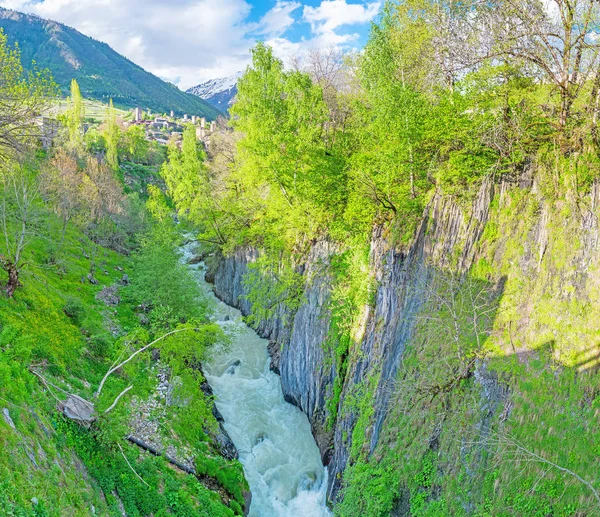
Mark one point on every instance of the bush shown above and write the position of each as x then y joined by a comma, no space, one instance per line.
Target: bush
99,345
74,309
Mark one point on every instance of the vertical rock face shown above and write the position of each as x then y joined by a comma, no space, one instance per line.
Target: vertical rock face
541,247
229,286
306,378
297,340
306,373
401,278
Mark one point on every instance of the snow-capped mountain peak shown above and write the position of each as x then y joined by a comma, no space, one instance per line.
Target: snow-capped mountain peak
218,92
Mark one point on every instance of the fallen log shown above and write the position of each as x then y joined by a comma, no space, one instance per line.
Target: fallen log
188,470
155,452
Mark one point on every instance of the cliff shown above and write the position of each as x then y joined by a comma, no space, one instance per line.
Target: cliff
409,397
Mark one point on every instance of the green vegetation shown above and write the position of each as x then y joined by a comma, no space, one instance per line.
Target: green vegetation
494,408
90,277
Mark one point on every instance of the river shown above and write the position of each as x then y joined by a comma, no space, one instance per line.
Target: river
280,457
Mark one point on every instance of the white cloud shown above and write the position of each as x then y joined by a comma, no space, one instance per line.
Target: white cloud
285,49
325,21
332,14
190,41
276,21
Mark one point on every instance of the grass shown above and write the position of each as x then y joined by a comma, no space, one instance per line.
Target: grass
93,109
56,323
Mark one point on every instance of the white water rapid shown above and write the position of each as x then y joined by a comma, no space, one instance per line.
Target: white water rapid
279,454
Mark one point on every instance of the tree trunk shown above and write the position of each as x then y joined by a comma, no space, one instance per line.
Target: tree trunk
594,106
13,279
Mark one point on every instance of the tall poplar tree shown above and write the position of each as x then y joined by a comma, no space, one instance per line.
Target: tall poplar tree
112,137
75,116
185,174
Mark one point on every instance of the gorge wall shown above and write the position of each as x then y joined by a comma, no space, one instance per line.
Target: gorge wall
540,259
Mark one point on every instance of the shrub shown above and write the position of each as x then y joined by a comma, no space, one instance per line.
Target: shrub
99,345
74,309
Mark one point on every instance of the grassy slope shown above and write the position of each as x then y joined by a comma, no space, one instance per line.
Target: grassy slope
69,469
93,109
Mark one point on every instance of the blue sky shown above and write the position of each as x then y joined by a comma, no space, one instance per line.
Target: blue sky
190,41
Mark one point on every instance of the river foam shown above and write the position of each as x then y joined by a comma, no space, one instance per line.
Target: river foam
277,450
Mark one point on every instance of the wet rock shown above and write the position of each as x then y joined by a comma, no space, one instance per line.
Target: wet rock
226,447
307,481
205,387
275,354
233,367
261,437
247,502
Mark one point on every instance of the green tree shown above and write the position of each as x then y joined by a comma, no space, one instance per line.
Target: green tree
157,204
25,97
112,135
162,284
185,174
137,145
74,117
21,218
388,171
286,170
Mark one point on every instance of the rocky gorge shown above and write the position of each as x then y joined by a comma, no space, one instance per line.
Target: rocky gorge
527,265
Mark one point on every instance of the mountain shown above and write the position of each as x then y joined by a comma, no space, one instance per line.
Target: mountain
101,72
219,93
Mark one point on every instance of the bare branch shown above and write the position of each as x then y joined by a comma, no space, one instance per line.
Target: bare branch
139,351
113,405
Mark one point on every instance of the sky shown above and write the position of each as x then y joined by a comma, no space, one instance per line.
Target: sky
190,41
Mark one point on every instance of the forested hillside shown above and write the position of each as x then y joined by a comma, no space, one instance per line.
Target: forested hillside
101,72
